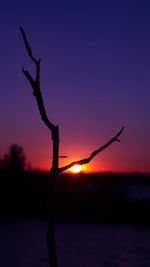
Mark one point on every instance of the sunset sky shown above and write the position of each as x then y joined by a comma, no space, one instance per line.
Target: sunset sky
95,78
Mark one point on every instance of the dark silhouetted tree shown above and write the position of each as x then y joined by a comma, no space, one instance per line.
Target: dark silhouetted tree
55,170
15,159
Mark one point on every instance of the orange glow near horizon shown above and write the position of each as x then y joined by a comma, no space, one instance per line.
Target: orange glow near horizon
76,168
104,163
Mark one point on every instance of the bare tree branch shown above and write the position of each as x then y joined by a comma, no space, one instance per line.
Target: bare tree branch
55,138
55,170
27,45
87,160
36,84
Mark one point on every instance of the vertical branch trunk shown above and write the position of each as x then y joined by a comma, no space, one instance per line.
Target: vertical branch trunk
52,200
51,227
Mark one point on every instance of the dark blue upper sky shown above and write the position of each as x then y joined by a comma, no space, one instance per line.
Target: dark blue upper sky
95,77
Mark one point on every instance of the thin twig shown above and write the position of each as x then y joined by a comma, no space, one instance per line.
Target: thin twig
87,160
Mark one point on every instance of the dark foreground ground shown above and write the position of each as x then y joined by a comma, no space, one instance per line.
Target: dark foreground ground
82,244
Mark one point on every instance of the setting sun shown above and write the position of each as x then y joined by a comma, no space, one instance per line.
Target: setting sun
76,168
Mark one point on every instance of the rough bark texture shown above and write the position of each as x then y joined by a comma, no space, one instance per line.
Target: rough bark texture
55,170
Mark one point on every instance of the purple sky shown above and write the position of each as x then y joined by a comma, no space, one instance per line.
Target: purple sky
95,78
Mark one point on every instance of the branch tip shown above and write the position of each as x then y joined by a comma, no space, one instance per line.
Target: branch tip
36,83
87,160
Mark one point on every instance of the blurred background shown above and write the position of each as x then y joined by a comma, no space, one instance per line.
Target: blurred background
95,64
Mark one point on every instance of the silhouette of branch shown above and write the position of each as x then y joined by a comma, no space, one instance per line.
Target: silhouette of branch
36,84
87,160
27,45
55,138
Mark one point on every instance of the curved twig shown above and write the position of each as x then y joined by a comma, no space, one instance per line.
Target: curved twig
87,160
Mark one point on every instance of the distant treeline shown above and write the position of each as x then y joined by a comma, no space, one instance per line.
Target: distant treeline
98,197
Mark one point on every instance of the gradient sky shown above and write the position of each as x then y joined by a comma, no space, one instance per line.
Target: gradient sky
95,78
